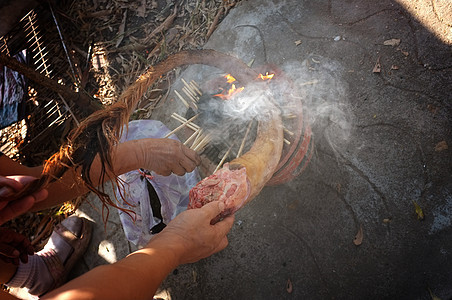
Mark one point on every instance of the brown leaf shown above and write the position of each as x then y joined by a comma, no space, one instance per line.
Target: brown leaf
377,67
419,212
289,286
121,29
359,236
142,9
392,42
394,67
298,42
441,146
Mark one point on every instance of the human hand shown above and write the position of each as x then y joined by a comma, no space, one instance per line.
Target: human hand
14,247
192,235
166,156
11,207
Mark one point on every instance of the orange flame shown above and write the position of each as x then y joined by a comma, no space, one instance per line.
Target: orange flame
231,92
229,78
266,76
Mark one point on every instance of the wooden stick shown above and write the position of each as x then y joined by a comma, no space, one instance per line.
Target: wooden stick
224,158
192,136
288,131
181,126
244,138
189,94
203,143
182,99
189,88
309,82
199,136
181,119
195,87
289,116
287,142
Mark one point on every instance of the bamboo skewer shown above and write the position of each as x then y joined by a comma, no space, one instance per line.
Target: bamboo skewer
182,125
182,99
195,87
224,158
190,95
202,143
286,141
244,138
190,89
192,136
288,131
197,139
181,119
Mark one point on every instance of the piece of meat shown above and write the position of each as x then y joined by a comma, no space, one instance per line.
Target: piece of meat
228,186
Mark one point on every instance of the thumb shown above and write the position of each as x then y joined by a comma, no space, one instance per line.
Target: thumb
213,208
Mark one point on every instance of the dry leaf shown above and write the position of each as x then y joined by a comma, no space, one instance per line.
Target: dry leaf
419,212
298,42
377,67
121,29
359,236
289,286
392,42
441,146
387,220
394,67
142,9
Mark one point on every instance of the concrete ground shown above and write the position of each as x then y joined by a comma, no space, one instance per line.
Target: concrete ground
381,146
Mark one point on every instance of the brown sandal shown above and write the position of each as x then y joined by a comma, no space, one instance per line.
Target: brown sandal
79,244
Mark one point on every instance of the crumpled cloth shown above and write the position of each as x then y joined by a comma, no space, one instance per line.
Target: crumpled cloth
172,190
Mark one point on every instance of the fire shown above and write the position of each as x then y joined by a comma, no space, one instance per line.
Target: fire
230,78
232,91
266,76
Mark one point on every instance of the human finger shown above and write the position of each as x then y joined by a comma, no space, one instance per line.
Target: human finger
178,169
16,208
40,195
11,183
192,155
9,251
225,225
213,209
187,164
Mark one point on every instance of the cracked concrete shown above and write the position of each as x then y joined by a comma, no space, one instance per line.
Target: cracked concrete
375,137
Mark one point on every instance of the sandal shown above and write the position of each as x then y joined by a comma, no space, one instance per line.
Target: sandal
79,243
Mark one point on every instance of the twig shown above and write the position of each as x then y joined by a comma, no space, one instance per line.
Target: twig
165,25
182,125
244,138
215,22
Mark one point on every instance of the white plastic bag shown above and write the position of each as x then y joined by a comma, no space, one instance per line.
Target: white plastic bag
172,190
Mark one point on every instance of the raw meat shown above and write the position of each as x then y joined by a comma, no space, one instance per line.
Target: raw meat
229,186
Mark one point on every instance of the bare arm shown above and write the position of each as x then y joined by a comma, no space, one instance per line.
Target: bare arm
188,238
163,156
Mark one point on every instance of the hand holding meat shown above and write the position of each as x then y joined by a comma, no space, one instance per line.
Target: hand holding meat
166,156
14,247
192,236
11,207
